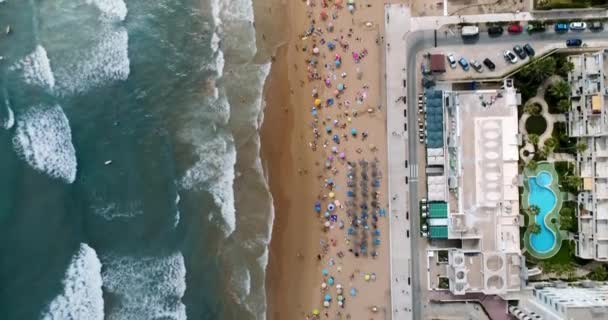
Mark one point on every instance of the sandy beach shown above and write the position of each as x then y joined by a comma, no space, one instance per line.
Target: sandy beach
330,234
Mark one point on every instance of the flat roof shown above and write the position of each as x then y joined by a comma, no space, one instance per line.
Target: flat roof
438,210
437,63
438,232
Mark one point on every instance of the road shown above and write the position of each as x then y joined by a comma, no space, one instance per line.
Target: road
407,252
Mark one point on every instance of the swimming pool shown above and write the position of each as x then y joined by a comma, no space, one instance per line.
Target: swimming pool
543,197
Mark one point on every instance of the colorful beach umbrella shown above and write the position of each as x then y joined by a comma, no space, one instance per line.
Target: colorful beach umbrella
317,102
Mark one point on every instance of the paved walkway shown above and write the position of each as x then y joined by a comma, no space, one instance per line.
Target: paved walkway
400,245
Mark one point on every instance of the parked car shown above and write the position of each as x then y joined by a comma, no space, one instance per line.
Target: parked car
574,42
477,66
597,25
561,27
495,30
519,51
451,60
529,50
578,25
421,138
510,56
488,63
464,64
515,28
536,27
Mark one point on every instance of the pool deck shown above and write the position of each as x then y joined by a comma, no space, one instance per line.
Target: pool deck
554,227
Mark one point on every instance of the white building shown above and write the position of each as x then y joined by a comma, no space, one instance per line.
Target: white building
559,301
588,121
480,182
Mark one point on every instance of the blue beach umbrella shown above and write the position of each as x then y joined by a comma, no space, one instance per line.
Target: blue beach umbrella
353,131
331,207
340,86
327,297
325,272
353,292
328,129
338,63
330,281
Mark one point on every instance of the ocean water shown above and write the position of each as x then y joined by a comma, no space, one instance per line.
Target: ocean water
130,180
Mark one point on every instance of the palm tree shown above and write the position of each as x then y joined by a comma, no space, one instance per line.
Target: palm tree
551,143
560,90
533,138
534,228
581,147
563,105
565,68
533,109
534,210
532,165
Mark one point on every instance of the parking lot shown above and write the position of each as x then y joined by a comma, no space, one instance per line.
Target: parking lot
492,47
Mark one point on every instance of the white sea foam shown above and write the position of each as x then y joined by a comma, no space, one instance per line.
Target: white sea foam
9,119
44,140
107,61
237,10
36,68
113,211
82,297
111,9
214,171
145,287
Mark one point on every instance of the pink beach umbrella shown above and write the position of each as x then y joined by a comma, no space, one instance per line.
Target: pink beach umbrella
342,155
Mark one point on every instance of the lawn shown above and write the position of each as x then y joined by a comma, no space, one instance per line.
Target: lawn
536,125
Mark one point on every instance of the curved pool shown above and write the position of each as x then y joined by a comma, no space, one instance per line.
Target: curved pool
543,197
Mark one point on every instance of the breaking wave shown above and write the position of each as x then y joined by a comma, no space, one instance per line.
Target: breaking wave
145,287
36,68
106,61
43,139
9,119
111,9
82,297
214,171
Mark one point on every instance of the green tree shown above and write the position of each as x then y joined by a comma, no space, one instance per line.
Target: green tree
563,105
533,109
581,147
567,219
559,90
538,70
572,183
565,68
534,210
551,142
532,165
533,138
534,228
599,273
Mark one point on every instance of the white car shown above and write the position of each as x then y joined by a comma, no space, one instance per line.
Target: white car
579,25
452,60
510,56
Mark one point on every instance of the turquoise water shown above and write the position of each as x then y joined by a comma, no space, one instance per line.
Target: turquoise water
543,197
130,182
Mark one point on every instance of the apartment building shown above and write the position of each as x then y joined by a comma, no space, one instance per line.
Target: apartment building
588,121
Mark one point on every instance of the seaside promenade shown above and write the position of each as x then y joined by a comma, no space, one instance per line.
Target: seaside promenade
402,301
